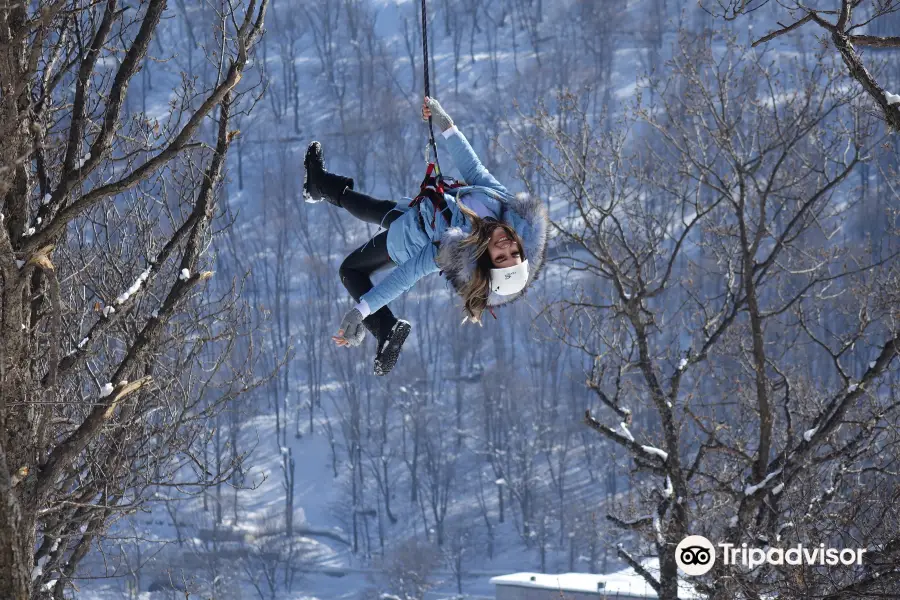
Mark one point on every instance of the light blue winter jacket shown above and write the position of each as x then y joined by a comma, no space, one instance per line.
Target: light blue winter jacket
419,248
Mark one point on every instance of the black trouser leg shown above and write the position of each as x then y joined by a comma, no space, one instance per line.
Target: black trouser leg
357,268
356,271
369,209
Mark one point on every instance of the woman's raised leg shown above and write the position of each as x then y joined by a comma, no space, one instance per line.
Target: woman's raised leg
369,209
319,184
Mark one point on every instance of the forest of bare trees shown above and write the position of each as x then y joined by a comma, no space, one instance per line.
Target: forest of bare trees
721,297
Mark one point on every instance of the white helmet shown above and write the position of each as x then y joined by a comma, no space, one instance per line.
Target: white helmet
510,280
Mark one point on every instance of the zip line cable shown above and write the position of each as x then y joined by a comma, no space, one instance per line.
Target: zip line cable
432,143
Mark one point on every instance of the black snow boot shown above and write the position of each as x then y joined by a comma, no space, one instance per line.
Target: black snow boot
319,184
389,347
389,334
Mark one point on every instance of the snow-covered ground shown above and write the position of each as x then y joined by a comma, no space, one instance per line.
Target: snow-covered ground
326,569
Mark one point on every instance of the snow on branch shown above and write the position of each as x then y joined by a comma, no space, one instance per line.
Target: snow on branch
669,490
751,489
625,439
809,433
124,296
624,429
656,452
638,567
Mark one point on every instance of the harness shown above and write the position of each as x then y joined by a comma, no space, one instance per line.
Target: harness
433,187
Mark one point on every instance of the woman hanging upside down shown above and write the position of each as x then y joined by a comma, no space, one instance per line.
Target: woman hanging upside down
488,243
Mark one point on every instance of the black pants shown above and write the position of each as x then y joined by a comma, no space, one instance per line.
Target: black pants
357,268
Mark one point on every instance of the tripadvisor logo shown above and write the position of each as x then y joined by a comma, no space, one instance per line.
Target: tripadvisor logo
696,555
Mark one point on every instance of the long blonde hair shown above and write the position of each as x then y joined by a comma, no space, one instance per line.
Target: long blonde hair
476,291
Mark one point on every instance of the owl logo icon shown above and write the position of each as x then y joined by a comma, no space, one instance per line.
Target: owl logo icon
695,555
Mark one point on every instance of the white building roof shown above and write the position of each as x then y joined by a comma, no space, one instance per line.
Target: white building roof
625,582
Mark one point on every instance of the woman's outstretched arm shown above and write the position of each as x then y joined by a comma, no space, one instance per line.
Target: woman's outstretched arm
467,163
401,279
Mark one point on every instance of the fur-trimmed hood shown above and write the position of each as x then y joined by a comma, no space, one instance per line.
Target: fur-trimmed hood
525,214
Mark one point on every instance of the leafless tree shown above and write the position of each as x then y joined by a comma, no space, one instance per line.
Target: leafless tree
406,572
107,216
844,22
271,557
745,349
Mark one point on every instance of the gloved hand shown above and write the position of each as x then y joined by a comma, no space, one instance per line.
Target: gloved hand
432,108
352,332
